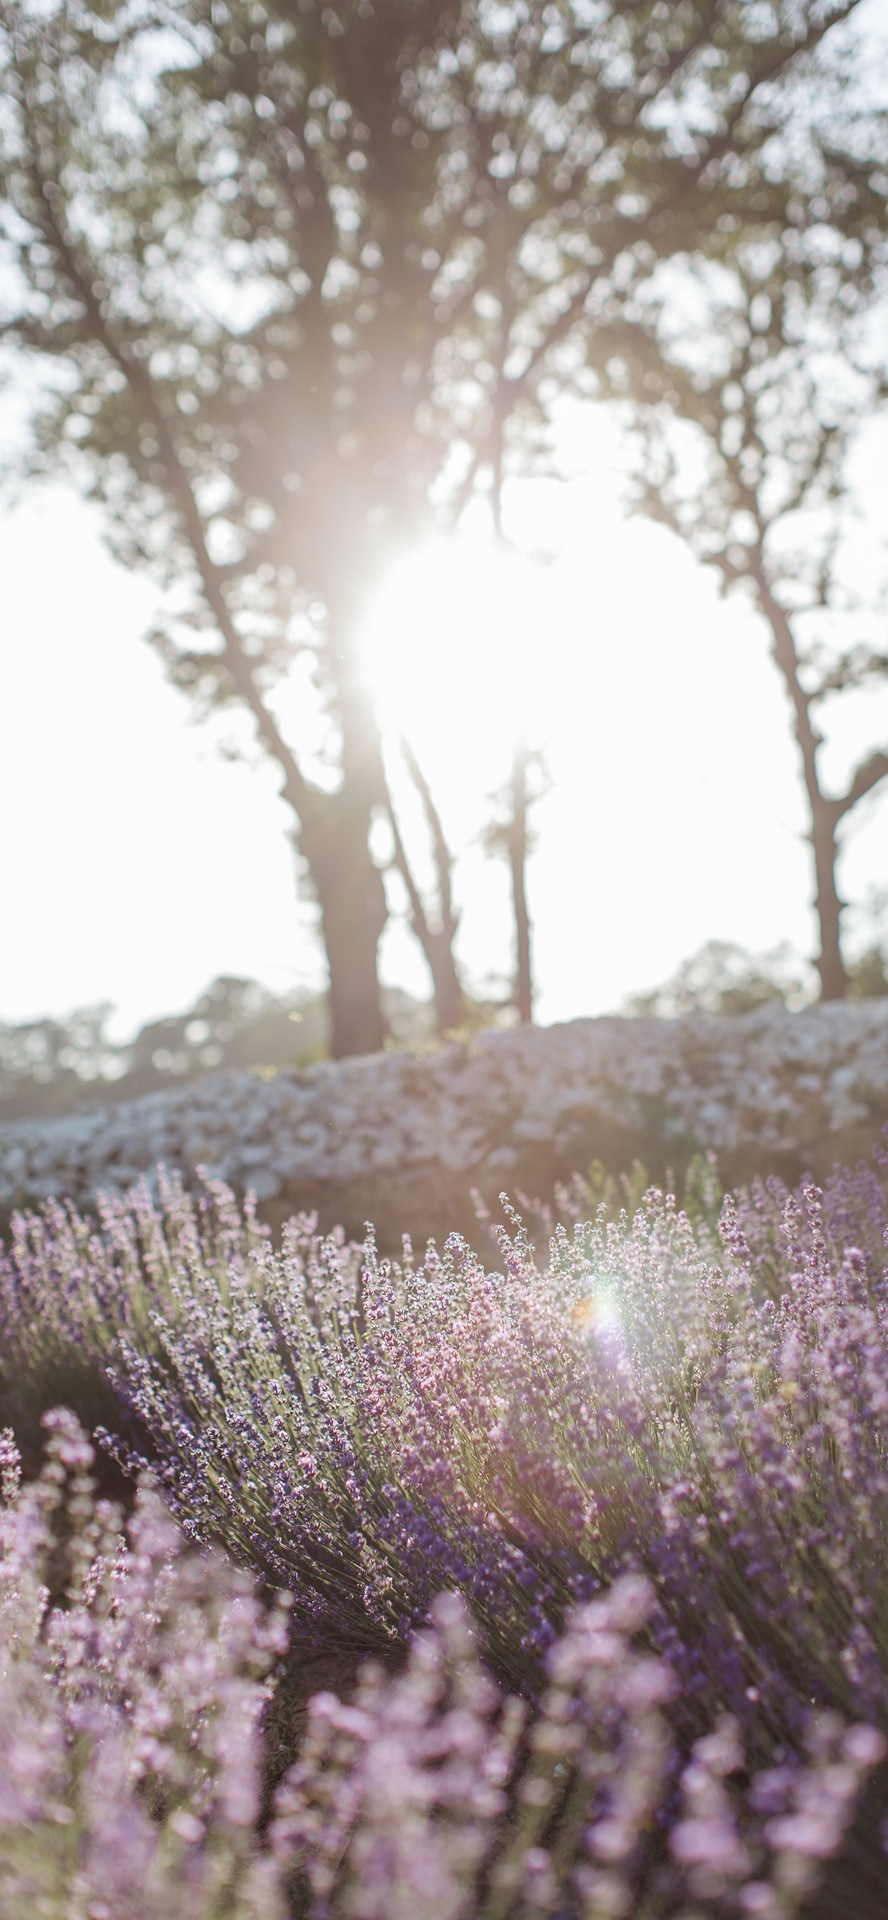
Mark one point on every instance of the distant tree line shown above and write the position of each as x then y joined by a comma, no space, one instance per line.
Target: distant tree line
52,1065
49,1065
724,978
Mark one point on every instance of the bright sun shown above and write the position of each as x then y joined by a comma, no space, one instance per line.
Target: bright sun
457,650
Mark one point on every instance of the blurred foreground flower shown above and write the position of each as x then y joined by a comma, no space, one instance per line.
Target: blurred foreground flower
131,1706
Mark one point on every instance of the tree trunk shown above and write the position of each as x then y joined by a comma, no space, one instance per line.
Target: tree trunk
830,965
351,895
824,813
436,941
446,983
518,865
335,840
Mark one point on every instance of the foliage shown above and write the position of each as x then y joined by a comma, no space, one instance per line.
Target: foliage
71,1287
53,1065
431,1795
868,975
704,1406
131,1708
299,282
132,1781
723,978
754,407
51,1061
598,1193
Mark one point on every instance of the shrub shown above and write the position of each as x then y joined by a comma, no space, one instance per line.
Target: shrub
705,1414
370,1435
130,1709
131,1712
71,1285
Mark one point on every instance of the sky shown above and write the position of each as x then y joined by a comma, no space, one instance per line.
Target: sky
136,864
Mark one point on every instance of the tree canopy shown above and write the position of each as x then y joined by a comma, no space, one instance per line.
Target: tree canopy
774,376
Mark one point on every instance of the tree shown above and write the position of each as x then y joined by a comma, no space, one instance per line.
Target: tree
776,377
46,1064
303,277
236,1025
435,930
510,835
723,978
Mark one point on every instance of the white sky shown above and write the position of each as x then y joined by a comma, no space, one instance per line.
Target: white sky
135,865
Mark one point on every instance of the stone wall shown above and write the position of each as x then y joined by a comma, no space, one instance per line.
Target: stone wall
402,1138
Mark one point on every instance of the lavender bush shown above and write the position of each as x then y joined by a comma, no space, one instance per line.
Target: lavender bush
131,1712
433,1796
71,1285
369,1434
130,1709
702,1411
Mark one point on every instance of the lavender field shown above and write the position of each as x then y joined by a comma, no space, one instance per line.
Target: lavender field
590,1534
472,419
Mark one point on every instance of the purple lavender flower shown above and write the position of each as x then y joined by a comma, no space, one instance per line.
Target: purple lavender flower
707,1417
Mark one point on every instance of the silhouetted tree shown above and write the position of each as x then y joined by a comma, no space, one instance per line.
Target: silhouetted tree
303,277
773,379
435,928
510,835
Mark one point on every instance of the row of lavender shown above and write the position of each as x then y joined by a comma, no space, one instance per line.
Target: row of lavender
649,1469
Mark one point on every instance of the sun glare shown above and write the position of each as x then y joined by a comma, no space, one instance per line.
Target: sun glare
599,1312
455,650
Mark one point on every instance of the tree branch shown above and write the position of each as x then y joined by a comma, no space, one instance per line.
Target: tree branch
868,775
442,854
305,799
